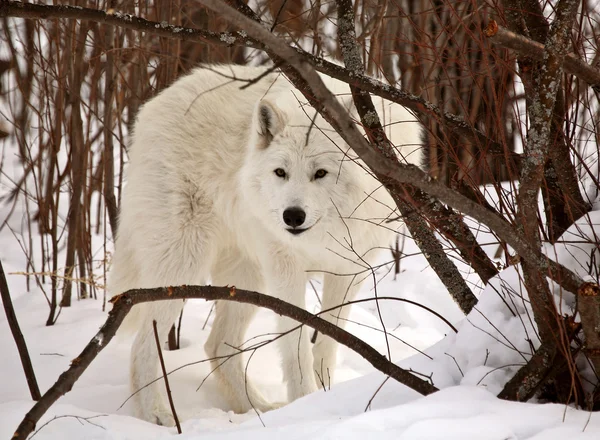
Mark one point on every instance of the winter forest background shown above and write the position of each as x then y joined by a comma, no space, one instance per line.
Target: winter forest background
501,236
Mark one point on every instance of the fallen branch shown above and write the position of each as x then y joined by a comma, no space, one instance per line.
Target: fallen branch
123,303
11,318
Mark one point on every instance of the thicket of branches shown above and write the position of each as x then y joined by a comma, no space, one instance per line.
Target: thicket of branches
508,92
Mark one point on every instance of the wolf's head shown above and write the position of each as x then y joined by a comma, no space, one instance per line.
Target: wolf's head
298,177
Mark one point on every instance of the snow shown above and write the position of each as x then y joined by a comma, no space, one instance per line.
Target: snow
470,367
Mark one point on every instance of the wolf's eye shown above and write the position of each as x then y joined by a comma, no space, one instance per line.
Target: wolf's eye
320,174
279,172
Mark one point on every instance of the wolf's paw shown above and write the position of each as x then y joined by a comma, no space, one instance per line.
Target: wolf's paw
258,404
158,414
324,356
272,406
163,417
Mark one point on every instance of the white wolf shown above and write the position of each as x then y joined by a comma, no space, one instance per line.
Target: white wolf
246,187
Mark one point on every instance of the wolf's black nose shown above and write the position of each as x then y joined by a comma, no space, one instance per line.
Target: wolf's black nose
294,217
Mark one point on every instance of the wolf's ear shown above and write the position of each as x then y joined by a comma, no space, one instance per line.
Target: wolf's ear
269,120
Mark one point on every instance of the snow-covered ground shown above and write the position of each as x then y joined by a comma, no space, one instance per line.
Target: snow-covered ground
469,367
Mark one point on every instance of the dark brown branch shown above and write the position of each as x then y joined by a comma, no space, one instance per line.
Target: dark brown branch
452,226
109,154
523,385
306,80
526,47
425,238
165,377
122,305
13,323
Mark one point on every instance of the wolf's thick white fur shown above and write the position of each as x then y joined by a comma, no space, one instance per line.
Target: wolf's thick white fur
203,203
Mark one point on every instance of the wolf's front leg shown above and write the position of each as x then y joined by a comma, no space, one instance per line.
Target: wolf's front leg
337,290
149,403
286,279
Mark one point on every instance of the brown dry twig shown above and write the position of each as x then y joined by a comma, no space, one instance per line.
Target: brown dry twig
165,377
123,303
588,306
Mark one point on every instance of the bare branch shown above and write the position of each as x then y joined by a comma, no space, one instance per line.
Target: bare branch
524,46
115,18
555,346
109,166
11,318
523,385
536,155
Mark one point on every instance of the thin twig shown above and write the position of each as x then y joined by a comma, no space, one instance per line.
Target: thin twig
375,393
165,377
69,416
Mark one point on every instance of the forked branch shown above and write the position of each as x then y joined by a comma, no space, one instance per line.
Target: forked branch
524,46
